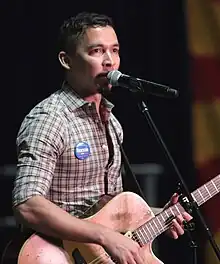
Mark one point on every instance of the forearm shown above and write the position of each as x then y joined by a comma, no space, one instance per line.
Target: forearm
43,216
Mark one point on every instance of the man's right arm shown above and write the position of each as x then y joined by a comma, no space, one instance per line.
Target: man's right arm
43,216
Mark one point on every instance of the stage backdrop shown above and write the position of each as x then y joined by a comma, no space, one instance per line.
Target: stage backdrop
204,47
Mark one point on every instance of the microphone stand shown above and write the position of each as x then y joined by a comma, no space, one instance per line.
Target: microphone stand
188,228
191,204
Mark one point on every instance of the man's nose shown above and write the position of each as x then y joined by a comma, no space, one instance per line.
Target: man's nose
108,60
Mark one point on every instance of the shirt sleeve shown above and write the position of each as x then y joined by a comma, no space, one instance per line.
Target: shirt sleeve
40,141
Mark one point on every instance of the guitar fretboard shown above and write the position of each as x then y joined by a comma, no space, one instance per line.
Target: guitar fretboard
160,223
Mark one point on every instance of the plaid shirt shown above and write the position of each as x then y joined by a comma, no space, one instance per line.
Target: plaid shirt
51,165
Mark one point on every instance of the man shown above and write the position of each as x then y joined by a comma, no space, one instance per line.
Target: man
68,155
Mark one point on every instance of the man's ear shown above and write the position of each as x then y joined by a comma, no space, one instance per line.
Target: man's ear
65,60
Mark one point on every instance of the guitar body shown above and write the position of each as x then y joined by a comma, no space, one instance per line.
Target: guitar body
124,213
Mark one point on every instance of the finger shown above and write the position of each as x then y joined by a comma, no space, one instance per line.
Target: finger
174,198
126,259
180,219
178,227
139,259
187,216
130,259
173,232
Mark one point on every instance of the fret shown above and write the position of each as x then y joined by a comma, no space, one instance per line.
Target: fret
214,185
201,195
197,196
157,218
162,222
154,233
154,222
177,208
142,237
208,191
172,211
147,235
166,213
151,236
162,217
206,195
193,196
144,227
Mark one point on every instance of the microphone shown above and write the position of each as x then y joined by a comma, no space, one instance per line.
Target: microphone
116,78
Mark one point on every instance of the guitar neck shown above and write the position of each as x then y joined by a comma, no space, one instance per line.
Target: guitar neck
160,223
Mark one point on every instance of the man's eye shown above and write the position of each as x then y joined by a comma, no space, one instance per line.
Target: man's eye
116,50
95,51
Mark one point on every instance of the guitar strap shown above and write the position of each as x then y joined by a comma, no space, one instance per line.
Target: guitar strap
129,180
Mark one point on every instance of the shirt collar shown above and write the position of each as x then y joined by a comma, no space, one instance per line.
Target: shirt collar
74,101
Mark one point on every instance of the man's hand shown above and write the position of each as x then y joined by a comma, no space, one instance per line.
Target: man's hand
177,226
123,249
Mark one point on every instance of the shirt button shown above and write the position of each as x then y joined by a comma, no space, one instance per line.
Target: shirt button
96,120
104,147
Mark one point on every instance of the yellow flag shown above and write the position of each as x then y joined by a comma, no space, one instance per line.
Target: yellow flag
203,22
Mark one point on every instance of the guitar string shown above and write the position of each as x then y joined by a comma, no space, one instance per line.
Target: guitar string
101,258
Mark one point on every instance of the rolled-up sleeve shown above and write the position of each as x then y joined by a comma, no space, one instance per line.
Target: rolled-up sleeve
40,141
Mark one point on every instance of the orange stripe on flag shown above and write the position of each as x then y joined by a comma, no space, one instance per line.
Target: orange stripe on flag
205,78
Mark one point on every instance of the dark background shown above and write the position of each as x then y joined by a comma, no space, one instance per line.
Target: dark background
153,38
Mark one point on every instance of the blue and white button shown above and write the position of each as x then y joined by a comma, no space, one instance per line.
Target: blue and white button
82,150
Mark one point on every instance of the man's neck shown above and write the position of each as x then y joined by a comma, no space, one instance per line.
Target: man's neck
96,98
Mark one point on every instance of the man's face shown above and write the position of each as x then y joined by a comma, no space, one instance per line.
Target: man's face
96,54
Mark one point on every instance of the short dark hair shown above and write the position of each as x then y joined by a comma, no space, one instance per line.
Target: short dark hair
73,29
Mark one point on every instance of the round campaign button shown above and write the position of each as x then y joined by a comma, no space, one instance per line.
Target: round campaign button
82,150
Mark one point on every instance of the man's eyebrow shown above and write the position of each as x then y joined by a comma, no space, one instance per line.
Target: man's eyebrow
96,45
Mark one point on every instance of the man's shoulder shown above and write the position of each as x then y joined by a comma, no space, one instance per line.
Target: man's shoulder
47,112
51,103
47,115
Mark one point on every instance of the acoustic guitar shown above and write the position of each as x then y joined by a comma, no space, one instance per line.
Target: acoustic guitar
126,213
